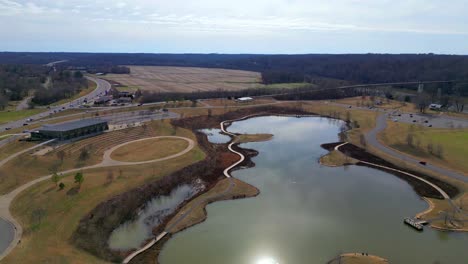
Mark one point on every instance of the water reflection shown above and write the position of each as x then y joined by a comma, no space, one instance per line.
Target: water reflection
6,234
307,213
133,233
266,260
215,135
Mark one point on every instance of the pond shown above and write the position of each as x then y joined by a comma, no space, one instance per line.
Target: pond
215,135
6,234
133,233
309,213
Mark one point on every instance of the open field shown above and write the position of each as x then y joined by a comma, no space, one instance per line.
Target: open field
185,79
449,145
226,102
50,216
34,166
10,116
149,149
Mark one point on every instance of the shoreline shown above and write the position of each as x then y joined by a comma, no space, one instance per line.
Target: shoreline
404,175
233,146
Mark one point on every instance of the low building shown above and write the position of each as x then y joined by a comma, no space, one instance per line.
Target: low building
70,130
244,99
103,99
435,106
124,100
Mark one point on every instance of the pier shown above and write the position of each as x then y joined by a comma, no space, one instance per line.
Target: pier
415,223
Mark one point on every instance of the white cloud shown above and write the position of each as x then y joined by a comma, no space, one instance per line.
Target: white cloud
243,18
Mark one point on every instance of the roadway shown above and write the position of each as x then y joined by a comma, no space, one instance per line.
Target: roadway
7,199
101,87
371,139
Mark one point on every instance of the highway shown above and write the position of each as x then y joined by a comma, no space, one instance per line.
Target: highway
101,87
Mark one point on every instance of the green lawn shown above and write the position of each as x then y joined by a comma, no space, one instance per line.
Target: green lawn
452,141
6,116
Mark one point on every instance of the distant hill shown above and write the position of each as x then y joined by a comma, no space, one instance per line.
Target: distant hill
356,68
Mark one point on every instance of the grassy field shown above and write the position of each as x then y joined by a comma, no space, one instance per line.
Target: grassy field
226,102
49,215
149,149
10,116
34,166
185,79
452,144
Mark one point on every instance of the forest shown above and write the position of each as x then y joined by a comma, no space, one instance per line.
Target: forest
44,83
357,68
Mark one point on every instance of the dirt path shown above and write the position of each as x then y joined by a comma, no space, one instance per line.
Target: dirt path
24,104
6,200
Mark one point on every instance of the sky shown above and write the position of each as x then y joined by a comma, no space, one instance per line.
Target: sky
236,26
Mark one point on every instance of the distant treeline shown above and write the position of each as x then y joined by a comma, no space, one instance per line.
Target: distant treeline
354,68
47,85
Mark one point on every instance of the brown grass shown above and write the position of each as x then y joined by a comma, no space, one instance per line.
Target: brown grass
149,149
226,102
27,167
185,79
245,138
336,159
50,216
358,258
198,213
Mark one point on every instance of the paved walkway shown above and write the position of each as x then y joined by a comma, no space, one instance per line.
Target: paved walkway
6,200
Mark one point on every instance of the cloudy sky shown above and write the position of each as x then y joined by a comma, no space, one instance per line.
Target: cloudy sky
239,26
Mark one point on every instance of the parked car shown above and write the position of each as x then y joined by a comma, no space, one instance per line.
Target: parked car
423,163
7,128
25,124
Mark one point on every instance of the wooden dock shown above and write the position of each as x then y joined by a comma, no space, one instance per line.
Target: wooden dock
414,223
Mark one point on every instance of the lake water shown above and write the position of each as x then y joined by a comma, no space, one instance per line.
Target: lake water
215,135
308,213
6,234
133,233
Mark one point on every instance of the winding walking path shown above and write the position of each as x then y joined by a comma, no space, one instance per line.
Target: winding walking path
6,200
437,188
168,229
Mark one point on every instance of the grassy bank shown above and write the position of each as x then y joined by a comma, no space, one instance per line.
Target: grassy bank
448,146
49,216
150,149
10,116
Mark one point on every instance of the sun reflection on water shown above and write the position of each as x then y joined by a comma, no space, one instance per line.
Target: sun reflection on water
266,260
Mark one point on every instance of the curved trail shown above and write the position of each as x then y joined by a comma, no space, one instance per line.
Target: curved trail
437,188
6,200
168,229
228,189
